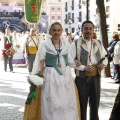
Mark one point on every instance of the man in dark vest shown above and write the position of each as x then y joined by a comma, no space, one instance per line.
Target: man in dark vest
7,43
86,53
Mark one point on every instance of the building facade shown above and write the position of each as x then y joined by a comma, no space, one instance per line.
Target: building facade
75,14
71,13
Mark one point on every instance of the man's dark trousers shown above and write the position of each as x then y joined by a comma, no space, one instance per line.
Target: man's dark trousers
8,59
89,91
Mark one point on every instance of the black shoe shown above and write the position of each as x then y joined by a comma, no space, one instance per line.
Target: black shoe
12,71
112,77
117,81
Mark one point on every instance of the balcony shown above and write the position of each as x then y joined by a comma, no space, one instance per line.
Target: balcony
65,21
20,2
5,2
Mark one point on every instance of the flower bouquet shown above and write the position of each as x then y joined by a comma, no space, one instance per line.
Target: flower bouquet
35,81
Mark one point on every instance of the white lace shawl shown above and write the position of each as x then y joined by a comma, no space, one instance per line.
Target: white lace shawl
47,46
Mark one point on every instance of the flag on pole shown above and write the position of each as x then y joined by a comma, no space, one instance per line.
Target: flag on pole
32,10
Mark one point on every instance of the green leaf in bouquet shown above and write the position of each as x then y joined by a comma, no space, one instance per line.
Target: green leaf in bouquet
40,74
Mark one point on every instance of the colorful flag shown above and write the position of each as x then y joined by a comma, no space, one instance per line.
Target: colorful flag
32,10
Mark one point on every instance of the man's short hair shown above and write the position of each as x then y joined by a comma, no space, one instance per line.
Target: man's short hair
87,21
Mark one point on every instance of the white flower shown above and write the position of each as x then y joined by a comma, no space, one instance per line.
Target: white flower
36,80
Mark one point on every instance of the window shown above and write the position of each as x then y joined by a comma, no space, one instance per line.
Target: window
107,15
79,5
73,30
79,18
107,27
107,8
66,16
65,6
52,9
58,9
73,17
118,27
72,5
53,17
59,17
66,30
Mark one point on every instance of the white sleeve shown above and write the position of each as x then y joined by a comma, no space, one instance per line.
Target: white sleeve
24,42
103,53
117,49
71,58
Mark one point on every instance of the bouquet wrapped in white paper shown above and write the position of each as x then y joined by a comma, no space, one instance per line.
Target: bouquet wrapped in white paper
35,81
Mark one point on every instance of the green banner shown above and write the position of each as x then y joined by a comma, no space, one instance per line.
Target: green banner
32,10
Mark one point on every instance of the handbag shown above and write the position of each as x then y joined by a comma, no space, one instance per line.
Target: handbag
31,49
10,52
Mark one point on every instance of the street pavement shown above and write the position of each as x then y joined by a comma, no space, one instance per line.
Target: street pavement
14,90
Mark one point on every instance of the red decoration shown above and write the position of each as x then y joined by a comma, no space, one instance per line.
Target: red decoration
8,46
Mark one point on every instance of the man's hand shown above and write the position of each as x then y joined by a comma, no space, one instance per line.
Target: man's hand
100,66
78,63
89,69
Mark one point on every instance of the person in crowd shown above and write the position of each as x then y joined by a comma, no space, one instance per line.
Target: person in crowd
89,52
115,113
30,47
111,52
18,57
7,43
94,36
58,97
69,37
116,62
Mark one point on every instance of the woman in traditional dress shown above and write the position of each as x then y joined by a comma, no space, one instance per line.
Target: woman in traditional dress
59,94
18,57
115,114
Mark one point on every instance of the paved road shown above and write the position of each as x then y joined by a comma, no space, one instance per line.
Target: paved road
14,89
